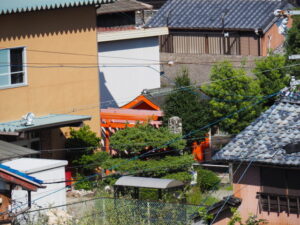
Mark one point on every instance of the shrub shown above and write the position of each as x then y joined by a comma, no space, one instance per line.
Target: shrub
182,176
81,142
207,180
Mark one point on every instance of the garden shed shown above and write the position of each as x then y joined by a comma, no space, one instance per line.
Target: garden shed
126,183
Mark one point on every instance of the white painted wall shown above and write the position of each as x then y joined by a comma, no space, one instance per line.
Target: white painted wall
47,171
125,69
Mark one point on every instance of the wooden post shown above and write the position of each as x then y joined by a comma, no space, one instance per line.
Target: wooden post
103,209
159,194
230,168
148,213
107,136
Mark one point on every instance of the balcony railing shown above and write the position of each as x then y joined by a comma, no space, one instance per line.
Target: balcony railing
278,203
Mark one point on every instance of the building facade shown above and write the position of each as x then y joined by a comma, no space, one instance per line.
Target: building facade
266,164
50,64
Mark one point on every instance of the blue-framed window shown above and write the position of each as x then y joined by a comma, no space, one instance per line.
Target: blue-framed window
12,70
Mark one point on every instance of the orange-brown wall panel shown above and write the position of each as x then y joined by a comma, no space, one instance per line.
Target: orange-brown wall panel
272,39
49,36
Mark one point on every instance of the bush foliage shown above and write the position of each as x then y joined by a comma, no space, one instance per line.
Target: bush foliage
183,176
151,167
82,144
145,137
207,180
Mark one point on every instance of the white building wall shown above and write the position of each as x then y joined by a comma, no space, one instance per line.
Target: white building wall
126,68
52,195
46,170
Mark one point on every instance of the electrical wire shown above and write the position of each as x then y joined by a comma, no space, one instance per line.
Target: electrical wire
174,140
125,100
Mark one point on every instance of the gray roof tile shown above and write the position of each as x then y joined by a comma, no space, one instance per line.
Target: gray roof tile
264,139
206,14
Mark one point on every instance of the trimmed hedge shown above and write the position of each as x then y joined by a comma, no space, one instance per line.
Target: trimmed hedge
207,180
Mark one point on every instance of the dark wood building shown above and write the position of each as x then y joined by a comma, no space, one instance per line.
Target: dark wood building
236,27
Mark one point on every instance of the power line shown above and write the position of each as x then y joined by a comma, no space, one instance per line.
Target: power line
125,100
169,142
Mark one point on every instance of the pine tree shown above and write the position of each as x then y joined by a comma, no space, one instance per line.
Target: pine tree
187,103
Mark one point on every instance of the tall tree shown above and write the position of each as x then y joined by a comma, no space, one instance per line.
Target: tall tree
232,90
293,37
272,75
293,46
188,103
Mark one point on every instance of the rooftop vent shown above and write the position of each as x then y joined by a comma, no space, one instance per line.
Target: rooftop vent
292,148
28,119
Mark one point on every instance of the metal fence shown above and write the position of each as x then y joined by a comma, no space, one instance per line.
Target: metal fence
111,211
129,212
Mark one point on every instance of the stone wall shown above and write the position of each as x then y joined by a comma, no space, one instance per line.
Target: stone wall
199,66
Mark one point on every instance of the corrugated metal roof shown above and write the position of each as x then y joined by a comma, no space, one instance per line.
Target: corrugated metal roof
148,182
264,140
32,165
122,6
10,151
17,6
42,122
207,14
21,175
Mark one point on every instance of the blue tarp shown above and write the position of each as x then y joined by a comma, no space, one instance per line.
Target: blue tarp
21,174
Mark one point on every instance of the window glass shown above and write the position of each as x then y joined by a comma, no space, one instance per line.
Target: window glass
11,67
16,60
4,80
4,61
17,78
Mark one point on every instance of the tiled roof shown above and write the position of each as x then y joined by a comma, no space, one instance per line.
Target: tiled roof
159,95
264,140
21,175
42,122
17,6
122,6
207,14
10,151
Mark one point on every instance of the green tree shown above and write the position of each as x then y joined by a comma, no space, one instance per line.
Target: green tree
232,90
272,74
187,103
293,37
82,143
293,46
152,167
140,138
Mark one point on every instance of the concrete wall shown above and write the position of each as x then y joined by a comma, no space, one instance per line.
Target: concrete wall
199,65
126,68
53,38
